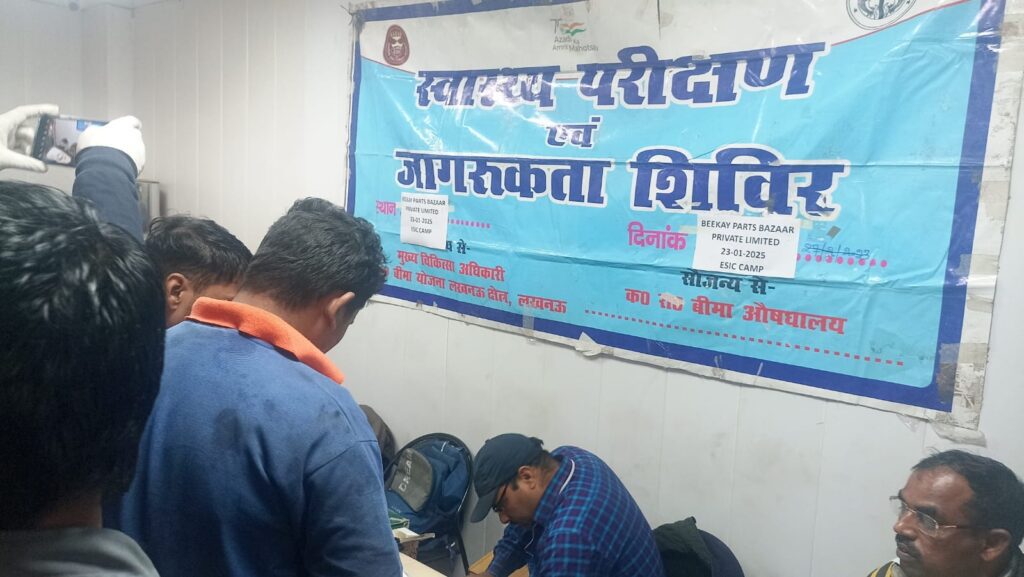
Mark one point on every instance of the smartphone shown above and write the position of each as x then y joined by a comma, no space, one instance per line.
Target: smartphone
57,138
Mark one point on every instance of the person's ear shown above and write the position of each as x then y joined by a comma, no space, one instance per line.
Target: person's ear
527,476
337,309
174,286
997,541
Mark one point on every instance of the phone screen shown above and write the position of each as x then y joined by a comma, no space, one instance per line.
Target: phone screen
57,138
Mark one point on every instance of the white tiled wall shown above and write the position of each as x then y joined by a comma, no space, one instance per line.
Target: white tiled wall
244,104
41,60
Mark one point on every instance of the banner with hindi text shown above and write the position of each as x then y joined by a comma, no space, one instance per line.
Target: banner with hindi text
785,196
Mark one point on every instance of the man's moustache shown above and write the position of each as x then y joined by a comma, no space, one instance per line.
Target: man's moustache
907,546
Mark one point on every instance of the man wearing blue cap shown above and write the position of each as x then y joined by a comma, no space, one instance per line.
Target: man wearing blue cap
568,513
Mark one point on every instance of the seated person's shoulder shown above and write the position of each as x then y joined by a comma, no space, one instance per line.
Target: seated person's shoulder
890,569
576,532
578,517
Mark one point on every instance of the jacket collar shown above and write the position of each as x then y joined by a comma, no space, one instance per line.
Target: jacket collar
265,326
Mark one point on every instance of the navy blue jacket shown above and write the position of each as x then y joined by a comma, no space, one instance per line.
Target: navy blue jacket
254,464
106,178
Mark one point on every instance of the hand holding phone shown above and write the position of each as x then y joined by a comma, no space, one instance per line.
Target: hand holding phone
57,138
17,135
124,134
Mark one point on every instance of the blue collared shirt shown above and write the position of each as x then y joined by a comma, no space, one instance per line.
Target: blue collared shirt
586,525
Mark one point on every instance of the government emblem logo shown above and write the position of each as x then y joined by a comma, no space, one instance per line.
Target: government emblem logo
396,46
875,14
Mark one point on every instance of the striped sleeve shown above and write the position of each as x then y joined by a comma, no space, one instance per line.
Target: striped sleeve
883,571
508,553
571,554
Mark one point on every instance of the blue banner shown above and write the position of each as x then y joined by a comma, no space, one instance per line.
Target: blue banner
576,179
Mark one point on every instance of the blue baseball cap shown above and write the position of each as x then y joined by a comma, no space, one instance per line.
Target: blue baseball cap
496,464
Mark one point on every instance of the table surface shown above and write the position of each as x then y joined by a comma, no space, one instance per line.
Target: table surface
414,568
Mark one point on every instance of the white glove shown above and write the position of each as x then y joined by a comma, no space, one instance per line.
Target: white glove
123,133
17,135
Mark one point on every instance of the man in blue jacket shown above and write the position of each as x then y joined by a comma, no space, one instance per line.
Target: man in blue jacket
256,461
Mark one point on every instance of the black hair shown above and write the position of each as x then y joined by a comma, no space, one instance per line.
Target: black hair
316,250
998,501
81,352
544,461
197,248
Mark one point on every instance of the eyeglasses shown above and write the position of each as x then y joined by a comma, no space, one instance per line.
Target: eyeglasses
926,523
499,503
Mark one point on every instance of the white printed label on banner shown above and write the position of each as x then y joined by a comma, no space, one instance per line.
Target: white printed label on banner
424,219
760,246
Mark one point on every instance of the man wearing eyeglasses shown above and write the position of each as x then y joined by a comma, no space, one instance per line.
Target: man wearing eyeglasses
568,513
959,515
